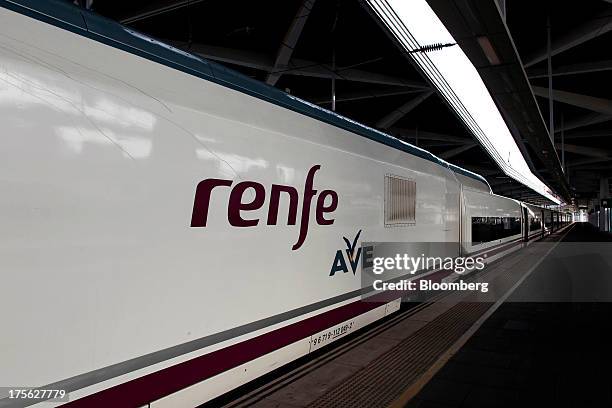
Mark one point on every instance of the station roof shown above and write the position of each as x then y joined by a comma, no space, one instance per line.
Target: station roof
581,45
299,46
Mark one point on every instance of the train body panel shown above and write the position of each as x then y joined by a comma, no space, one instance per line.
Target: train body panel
489,220
534,221
102,154
548,221
469,183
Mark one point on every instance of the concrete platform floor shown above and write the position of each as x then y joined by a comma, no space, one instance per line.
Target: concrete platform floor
536,354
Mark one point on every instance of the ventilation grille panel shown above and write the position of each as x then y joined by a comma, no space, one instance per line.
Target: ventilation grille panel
400,201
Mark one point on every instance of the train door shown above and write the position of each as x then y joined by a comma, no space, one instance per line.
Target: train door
552,221
525,225
461,220
452,214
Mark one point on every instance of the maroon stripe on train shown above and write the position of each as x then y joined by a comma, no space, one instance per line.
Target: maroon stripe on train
143,390
151,387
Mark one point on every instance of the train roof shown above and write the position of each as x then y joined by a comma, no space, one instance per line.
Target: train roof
88,24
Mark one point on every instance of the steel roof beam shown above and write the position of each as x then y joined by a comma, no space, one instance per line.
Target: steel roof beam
600,105
361,95
598,25
289,42
497,183
156,9
297,67
243,58
572,69
312,69
425,135
585,151
588,134
391,118
585,120
582,162
481,170
456,151
430,143
513,188
601,166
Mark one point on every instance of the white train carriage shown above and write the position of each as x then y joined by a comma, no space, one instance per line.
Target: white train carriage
169,227
534,220
490,221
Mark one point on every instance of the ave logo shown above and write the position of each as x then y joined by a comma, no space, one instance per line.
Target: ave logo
353,254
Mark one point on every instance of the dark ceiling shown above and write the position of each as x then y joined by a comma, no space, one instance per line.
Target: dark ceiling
581,44
377,85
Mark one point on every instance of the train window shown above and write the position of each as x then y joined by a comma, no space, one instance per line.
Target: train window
486,229
400,201
535,224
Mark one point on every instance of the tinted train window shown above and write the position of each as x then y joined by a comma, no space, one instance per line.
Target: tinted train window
535,224
486,229
400,201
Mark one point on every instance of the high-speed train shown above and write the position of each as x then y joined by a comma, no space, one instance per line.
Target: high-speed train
170,229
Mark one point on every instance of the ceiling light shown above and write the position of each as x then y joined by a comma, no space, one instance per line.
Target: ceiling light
414,24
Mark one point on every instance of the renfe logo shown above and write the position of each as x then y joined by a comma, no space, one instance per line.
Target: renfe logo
236,208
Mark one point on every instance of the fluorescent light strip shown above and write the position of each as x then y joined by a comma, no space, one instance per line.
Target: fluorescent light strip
450,70
446,90
430,69
432,72
444,87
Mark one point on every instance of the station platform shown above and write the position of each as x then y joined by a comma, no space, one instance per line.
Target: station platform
458,350
533,353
